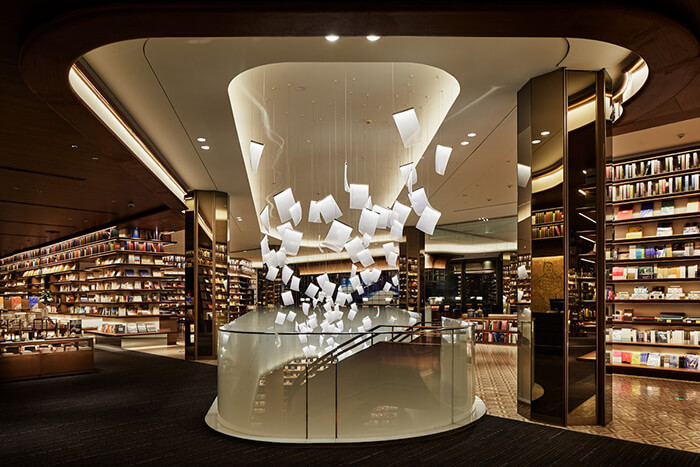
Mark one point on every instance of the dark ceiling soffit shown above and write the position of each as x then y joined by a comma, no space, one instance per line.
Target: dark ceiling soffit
151,212
52,47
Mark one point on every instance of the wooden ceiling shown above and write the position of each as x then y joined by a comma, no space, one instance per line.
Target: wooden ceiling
49,189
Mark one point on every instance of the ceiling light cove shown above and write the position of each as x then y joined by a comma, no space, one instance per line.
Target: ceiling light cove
373,38
471,135
332,37
309,155
201,140
464,143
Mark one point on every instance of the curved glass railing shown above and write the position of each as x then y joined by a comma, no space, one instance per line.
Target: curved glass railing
364,376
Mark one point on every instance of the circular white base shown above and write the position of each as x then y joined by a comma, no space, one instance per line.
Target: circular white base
212,419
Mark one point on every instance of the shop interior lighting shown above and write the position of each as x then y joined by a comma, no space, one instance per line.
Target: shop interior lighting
332,37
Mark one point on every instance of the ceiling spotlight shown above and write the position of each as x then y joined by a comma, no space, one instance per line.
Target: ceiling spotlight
584,172
464,143
544,133
536,141
239,219
94,158
373,38
332,37
74,146
205,147
201,140
471,135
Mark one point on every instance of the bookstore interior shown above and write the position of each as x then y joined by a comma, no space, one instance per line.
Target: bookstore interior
327,219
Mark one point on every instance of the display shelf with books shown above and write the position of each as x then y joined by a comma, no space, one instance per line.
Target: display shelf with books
241,293
495,329
173,285
653,255
38,358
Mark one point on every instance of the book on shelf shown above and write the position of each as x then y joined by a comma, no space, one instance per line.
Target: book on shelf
664,229
667,207
141,327
625,212
131,328
647,209
634,232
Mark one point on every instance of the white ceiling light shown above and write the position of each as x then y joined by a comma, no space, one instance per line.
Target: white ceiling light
408,126
256,150
544,133
536,141
471,135
332,37
442,156
201,140
464,143
205,147
373,38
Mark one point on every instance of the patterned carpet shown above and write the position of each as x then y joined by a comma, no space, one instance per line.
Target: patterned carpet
147,409
647,410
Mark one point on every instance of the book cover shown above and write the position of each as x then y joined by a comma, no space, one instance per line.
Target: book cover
643,357
667,207
654,359
673,361
616,356
691,361
625,212
141,327
131,328
647,209
626,357
636,358
151,327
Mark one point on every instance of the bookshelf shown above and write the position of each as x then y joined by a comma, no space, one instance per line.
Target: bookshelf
496,329
109,275
241,291
653,256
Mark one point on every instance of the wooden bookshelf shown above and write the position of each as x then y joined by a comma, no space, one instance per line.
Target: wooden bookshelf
679,208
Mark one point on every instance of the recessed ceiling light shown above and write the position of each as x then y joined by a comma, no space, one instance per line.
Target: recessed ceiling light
464,143
201,140
74,146
205,147
584,172
544,133
239,219
332,37
373,38
536,141
471,135
94,158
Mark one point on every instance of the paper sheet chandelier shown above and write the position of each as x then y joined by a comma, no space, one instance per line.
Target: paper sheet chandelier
373,217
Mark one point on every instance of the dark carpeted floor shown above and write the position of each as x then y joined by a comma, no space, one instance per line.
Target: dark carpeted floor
143,409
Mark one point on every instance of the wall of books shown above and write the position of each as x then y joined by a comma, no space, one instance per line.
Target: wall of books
114,281
652,255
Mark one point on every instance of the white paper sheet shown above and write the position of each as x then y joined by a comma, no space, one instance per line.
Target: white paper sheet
256,152
428,220
291,315
281,229
395,280
279,319
286,274
291,241
338,236
351,314
329,209
264,246
314,212
311,291
366,276
405,170
281,257
341,298
376,274
368,222
355,282
419,200
359,194
442,156
353,270
387,286
305,307
367,322
295,284
391,258
295,211
265,219
396,233
366,240
271,273
402,212
345,179
287,298
353,247
284,202
384,214
329,288
322,279
365,257
360,290
270,259
408,126
522,272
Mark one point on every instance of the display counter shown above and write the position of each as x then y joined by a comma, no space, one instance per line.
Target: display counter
46,357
